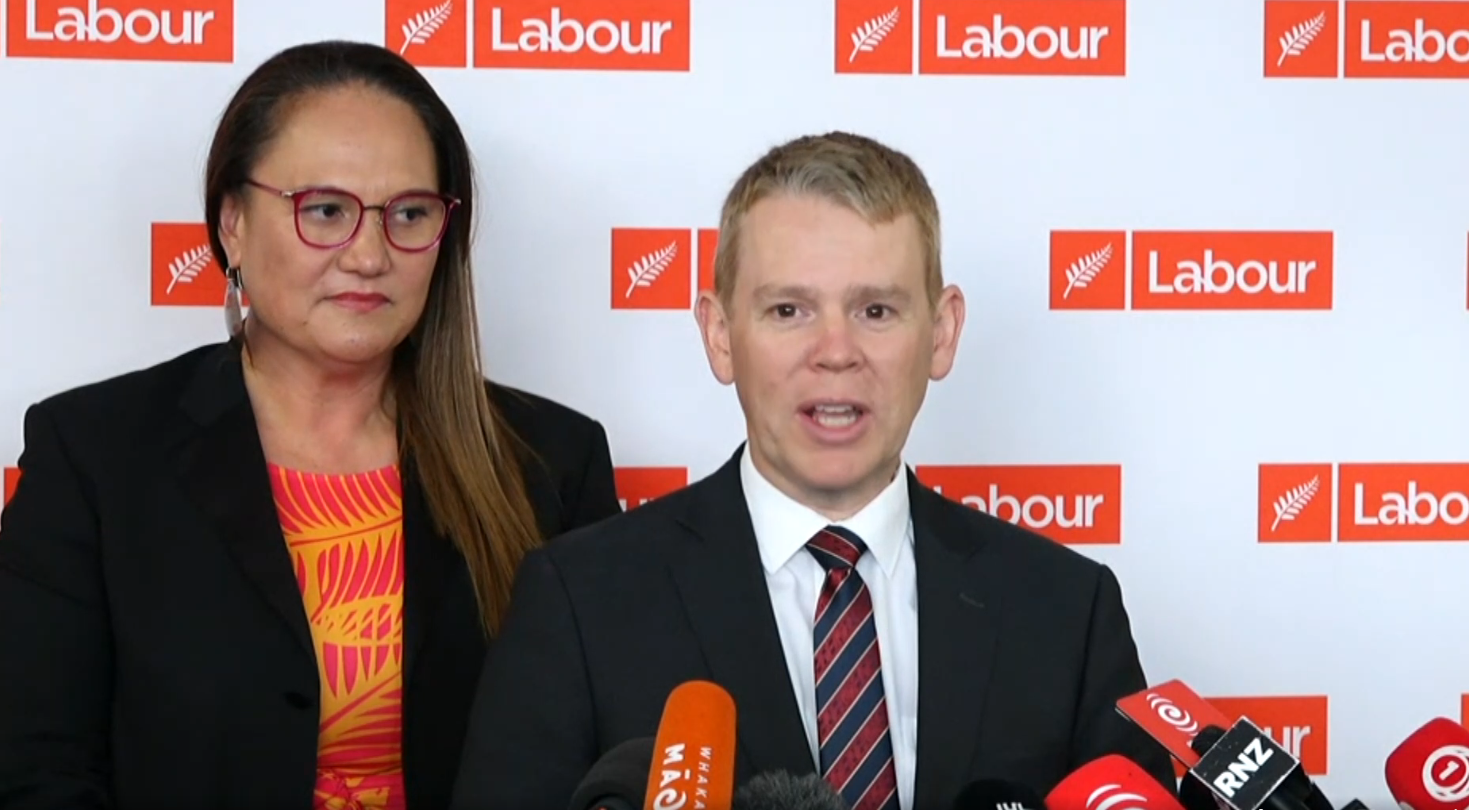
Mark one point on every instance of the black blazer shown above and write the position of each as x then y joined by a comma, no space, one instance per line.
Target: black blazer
1024,649
154,648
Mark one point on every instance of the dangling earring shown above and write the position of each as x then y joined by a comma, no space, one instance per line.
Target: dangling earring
233,320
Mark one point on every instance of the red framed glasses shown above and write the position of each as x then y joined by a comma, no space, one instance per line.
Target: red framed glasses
413,221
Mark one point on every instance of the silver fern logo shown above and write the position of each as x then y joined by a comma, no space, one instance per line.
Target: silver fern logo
645,271
186,266
421,27
1084,270
1295,41
1288,506
871,33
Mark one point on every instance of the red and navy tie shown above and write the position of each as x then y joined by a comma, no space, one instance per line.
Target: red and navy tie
852,714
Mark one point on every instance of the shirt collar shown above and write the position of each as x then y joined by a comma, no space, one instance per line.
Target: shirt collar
783,526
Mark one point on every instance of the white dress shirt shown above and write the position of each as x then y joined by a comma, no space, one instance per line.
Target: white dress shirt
794,577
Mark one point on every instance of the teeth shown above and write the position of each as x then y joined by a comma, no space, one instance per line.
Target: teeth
834,416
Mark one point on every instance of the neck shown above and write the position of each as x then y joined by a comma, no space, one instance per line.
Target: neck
833,504
292,391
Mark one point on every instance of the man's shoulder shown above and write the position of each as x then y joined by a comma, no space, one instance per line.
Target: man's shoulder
650,529
1014,547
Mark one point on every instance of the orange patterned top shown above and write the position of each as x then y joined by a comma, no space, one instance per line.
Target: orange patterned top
346,542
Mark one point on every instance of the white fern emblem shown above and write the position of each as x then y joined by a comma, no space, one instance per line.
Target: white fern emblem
646,270
186,266
1289,505
420,29
871,33
1294,41
1083,270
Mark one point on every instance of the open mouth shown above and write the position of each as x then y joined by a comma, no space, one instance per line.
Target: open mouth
835,417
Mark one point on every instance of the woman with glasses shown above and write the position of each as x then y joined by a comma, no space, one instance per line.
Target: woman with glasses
265,573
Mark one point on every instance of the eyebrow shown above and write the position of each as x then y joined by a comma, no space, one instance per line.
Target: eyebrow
889,292
339,187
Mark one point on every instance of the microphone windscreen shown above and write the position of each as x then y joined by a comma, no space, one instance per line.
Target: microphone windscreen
1207,738
1193,794
694,753
1430,769
781,791
1112,782
998,794
621,774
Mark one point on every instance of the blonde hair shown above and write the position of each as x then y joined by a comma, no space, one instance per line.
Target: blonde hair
876,181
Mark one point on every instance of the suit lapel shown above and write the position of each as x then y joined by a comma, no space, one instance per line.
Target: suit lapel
221,467
429,558
959,605
722,583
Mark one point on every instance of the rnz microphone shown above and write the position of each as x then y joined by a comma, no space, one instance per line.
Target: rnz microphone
1430,769
1196,795
1112,782
694,754
782,791
998,794
1246,770
619,779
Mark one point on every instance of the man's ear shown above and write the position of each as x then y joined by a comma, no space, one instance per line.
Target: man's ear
713,321
948,323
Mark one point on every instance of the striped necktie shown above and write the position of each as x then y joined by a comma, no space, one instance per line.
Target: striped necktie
852,716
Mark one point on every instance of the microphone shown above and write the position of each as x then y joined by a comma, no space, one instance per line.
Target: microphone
1247,770
618,780
1173,714
999,794
694,754
1190,728
1430,769
781,791
1112,782
1296,785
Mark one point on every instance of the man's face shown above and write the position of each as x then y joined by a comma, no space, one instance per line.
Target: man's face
830,341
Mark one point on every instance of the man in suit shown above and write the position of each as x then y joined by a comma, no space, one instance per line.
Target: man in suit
870,630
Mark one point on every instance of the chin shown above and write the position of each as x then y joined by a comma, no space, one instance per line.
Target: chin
357,349
830,471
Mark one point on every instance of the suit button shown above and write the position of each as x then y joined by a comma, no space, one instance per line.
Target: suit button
299,701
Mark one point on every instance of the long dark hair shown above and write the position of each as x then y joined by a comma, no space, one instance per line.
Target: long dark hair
459,446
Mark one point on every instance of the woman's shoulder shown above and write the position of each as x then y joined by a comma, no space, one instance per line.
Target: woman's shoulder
535,415
139,391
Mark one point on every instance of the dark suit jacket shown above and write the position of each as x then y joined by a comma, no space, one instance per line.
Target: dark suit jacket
154,648
1024,649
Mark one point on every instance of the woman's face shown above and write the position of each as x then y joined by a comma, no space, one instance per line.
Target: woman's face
347,305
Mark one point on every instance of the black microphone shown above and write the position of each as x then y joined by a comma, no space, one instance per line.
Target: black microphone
1297,783
1193,794
618,780
778,790
1246,770
998,794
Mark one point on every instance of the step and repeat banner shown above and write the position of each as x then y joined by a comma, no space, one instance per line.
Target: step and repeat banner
1214,254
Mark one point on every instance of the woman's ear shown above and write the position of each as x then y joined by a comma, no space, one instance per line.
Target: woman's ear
232,231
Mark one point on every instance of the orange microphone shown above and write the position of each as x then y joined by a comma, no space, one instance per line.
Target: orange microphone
694,755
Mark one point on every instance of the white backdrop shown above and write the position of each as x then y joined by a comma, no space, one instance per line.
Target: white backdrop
1173,126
